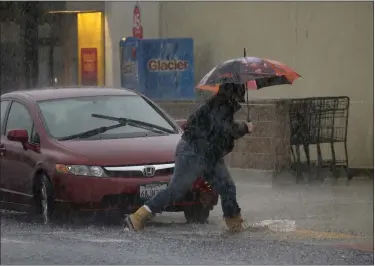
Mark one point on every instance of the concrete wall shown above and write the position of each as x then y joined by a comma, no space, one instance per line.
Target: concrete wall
329,43
268,146
119,24
84,5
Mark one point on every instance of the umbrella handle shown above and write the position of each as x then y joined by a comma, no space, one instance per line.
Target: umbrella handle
247,93
248,107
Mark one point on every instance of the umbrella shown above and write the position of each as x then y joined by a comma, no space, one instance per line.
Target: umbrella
253,72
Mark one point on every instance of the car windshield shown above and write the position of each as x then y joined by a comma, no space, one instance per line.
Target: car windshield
66,117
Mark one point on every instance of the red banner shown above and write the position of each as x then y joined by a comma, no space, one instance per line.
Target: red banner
89,66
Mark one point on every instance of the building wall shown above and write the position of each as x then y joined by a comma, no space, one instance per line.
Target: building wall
329,43
84,5
119,24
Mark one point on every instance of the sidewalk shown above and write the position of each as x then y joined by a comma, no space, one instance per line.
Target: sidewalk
345,209
340,213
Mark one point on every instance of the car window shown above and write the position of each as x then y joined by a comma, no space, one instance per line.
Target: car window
65,117
34,137
19,118
3,105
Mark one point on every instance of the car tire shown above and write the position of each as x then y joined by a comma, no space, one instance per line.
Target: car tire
197,214
45,200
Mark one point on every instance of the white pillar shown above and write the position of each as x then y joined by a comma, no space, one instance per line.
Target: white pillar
118,24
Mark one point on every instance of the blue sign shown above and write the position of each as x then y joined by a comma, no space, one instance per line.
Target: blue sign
161,69
129,64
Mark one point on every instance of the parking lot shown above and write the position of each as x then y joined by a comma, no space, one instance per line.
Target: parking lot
308,223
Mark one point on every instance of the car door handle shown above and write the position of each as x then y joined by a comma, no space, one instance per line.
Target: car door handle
2,151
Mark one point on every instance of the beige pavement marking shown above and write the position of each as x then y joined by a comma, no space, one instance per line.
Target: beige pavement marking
288,228
323,235
361,247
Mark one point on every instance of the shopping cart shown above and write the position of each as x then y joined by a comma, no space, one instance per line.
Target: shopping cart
317,121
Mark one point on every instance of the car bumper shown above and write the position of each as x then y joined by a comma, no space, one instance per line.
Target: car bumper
111,193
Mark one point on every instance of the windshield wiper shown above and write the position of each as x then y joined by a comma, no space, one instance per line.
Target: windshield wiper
121,123
92,132
135,123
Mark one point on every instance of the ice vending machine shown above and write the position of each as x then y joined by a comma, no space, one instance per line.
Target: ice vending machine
161,69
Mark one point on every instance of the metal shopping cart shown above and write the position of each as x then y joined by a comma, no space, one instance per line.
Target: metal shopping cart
316,121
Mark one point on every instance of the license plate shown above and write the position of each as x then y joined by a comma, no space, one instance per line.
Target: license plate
148,191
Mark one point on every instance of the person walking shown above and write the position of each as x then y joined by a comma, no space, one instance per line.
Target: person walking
208,136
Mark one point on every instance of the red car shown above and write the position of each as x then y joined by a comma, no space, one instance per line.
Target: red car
90,149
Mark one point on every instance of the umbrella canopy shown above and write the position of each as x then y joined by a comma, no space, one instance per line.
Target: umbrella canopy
255,72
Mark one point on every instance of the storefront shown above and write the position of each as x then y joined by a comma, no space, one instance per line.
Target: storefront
79,57
329,43
50,43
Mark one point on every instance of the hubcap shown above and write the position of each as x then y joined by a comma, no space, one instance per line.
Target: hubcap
44,203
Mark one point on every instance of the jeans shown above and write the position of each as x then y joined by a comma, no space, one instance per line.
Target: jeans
222,182
188,167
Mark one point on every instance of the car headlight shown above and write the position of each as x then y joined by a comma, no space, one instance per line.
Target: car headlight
84,170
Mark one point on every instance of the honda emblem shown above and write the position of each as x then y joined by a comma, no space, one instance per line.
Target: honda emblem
149,171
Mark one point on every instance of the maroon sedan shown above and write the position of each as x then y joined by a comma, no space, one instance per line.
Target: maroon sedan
91,149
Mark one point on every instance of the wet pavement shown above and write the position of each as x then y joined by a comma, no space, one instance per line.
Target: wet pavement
308,223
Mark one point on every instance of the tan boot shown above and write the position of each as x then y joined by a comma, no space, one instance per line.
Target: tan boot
137,220
235,224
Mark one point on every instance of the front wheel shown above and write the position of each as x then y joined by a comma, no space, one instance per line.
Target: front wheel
197,214
44,199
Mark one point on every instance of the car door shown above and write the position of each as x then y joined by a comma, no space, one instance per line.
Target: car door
17,163
4,104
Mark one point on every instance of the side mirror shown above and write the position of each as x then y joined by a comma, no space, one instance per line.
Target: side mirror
181,123
20,135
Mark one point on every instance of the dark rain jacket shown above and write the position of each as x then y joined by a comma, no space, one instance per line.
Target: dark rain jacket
211,129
